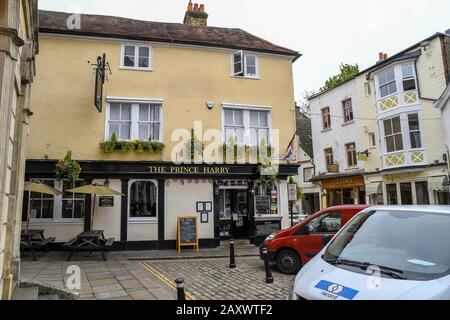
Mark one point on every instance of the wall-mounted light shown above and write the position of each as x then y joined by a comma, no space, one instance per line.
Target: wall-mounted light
210,104
106,183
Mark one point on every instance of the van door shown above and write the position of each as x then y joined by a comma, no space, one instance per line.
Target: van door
318,232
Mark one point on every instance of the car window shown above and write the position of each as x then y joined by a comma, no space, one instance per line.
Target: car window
328,222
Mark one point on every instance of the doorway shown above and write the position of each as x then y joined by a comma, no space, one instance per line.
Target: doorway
234,213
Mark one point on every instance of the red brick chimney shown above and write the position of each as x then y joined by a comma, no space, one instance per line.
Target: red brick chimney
382,56
196,15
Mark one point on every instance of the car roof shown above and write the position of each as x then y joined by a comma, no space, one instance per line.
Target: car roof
415,208
348,207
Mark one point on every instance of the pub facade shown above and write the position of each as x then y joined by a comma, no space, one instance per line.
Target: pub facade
225,88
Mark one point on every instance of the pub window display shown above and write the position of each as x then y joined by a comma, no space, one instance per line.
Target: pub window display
269,190
143,199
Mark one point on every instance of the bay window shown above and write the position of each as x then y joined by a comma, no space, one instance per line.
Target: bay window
408,80
393,134
246,126
134,121
386,82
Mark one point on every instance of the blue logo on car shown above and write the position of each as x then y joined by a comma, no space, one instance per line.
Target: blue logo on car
337,289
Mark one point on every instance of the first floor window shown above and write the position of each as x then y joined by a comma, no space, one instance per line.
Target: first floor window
136,57
326,118
414,131
351,154
135,121
329,156
234,126
308,174
143,199
244,126
42,205
393,134
259,127
348,110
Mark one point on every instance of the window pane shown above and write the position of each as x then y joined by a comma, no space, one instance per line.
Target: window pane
250,60
67,209
143,131
143,62
407,71
396,126
238,117
239,135
413,121
143,197
155,131
387,127
392,194
155,111
390,147
382,78
129,50
263,136
422,193
237,62
406,193
263,119
409,84
229,117
390,75
125,131
415,140
143,112
392,88
254,118
126,112
253,136
47,209
36,209
398,142
66,186
113,128
114,112
128,61
384,90
144,52
78,209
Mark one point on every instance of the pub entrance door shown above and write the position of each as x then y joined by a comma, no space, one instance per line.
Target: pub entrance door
234,213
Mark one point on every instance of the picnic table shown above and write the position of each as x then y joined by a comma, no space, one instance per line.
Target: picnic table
33,240
93,240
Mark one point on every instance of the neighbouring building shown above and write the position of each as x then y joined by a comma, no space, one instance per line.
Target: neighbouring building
310,203
18,47
400,155
338,137
443,104
165,78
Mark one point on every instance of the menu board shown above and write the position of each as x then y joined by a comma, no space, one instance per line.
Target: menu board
262,205
187,233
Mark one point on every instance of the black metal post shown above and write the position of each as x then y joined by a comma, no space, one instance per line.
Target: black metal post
232,259
269,277
292,213
180,289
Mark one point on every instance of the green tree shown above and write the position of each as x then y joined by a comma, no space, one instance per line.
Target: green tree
347,71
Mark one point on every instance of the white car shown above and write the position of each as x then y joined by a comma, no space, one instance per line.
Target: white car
383,253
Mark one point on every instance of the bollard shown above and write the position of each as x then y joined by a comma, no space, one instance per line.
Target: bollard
232,260
180,289
269,278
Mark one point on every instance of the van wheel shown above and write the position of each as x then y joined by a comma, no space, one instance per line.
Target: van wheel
288,262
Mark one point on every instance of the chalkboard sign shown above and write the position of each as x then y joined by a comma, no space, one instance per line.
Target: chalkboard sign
187,233
262,205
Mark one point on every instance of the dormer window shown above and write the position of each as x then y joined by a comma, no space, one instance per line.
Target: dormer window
136,57
409,80
245,64
387,83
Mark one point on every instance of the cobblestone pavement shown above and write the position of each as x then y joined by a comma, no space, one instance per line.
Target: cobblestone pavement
100,280
211,279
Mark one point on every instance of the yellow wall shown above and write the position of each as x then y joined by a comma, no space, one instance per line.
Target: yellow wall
185,78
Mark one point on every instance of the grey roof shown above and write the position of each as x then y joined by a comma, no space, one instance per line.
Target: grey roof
304,132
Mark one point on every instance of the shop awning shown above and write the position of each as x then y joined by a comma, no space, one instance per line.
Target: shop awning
438,183
374,188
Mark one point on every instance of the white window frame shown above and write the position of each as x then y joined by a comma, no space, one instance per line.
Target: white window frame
136,56
393,68
402,132
135,220
135,103
243,73
372,141
246,115
414,77
57,207
348,156
398,70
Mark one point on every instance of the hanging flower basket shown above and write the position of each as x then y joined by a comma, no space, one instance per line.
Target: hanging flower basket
67,168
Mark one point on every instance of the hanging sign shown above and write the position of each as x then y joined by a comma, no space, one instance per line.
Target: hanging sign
292,192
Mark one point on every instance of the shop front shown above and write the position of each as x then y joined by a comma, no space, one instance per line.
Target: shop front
229,201
420,186
340,189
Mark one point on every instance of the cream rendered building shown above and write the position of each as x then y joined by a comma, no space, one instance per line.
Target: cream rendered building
18,47
164,77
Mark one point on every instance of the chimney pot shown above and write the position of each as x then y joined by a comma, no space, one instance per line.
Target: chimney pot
380,56
190,6
385,56
202,8
196,7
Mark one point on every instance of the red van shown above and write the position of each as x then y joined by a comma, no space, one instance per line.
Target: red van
292,248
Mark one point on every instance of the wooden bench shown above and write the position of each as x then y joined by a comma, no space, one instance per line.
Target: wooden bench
88,242
34,240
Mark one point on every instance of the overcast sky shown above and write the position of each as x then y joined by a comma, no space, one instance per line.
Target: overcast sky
326,32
